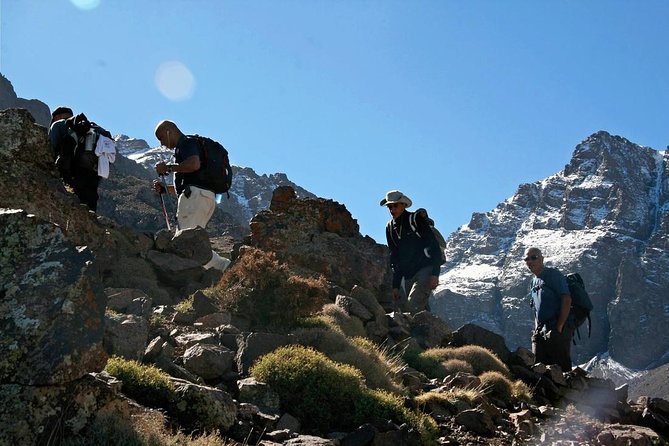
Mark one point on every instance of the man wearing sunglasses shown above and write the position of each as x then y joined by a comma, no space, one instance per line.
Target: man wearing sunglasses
414,254
551,340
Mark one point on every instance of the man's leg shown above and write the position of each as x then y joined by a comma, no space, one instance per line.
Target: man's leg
419,290
85,184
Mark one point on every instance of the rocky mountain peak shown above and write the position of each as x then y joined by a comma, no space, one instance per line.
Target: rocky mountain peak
606,216
8,99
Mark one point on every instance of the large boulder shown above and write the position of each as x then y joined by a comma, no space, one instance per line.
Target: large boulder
321,235
52,306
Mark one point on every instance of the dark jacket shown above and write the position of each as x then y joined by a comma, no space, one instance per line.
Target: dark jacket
408,250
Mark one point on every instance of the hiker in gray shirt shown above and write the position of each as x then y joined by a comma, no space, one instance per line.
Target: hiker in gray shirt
551,340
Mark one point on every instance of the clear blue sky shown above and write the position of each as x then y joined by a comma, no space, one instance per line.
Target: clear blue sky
455,103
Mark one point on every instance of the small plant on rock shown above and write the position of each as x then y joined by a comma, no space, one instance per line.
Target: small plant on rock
146,384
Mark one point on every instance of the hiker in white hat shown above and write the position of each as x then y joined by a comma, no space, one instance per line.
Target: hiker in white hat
415,255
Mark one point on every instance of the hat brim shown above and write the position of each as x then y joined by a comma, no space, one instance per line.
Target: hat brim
403,200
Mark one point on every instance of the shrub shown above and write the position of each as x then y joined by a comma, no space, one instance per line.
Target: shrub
430,366
327,395
349,325
380,405
186,305
143,429
267,292
453,366
311,386
497,385
377,370
521,391
481,359
146,384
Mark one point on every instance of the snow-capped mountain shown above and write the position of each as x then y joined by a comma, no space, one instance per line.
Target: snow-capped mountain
606,216
249,194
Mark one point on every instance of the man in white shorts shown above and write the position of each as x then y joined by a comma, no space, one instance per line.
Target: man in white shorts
196,204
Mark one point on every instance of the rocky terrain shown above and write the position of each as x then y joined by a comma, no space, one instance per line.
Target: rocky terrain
106,328
606,215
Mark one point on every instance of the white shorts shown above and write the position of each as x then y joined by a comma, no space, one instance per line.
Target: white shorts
197,209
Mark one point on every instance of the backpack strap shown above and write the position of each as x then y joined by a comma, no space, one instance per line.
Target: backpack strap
389,233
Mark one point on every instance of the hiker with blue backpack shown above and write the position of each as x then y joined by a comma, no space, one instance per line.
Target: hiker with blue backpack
551,299
197,180
415,254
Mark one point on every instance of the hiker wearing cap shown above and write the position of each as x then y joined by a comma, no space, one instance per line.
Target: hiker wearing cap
195,205
551,339
414,254
69,161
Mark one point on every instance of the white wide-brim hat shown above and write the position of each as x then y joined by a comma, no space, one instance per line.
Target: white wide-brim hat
395,196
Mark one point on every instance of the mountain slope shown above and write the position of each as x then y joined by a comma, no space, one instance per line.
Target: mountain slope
605,215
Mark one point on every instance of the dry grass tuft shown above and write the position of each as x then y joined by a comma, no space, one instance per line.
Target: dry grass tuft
481,359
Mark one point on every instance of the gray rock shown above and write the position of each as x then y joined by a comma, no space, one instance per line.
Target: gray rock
208,361
191,244
202,407
471,334
429,330
52,305
126,335
476,421
255,345
259,394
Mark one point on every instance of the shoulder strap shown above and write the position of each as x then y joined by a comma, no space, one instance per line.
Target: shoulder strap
389,232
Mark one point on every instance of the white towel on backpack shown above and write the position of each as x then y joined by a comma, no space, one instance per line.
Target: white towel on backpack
105,149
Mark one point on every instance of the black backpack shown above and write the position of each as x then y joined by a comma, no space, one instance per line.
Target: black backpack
215,171
86,135
581,305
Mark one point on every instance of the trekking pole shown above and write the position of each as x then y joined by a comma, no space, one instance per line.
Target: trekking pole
162,202
162,179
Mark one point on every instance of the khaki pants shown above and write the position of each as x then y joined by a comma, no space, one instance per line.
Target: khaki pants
195,211
417,291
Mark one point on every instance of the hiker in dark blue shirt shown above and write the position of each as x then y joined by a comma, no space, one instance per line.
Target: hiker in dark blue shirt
551,340
414,254
196,204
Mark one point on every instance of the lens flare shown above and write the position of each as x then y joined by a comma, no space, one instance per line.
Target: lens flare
175,81
86,5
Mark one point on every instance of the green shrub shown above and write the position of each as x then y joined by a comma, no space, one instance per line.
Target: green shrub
349,325
186,305
521,391
311,386
267,293
328,395
380,405
453,366
377,370
146,384
497,385
430,366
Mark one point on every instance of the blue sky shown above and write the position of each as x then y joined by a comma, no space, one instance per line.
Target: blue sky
455,103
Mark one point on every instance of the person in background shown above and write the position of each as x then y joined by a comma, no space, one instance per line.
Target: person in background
551,339
72,164
414,254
